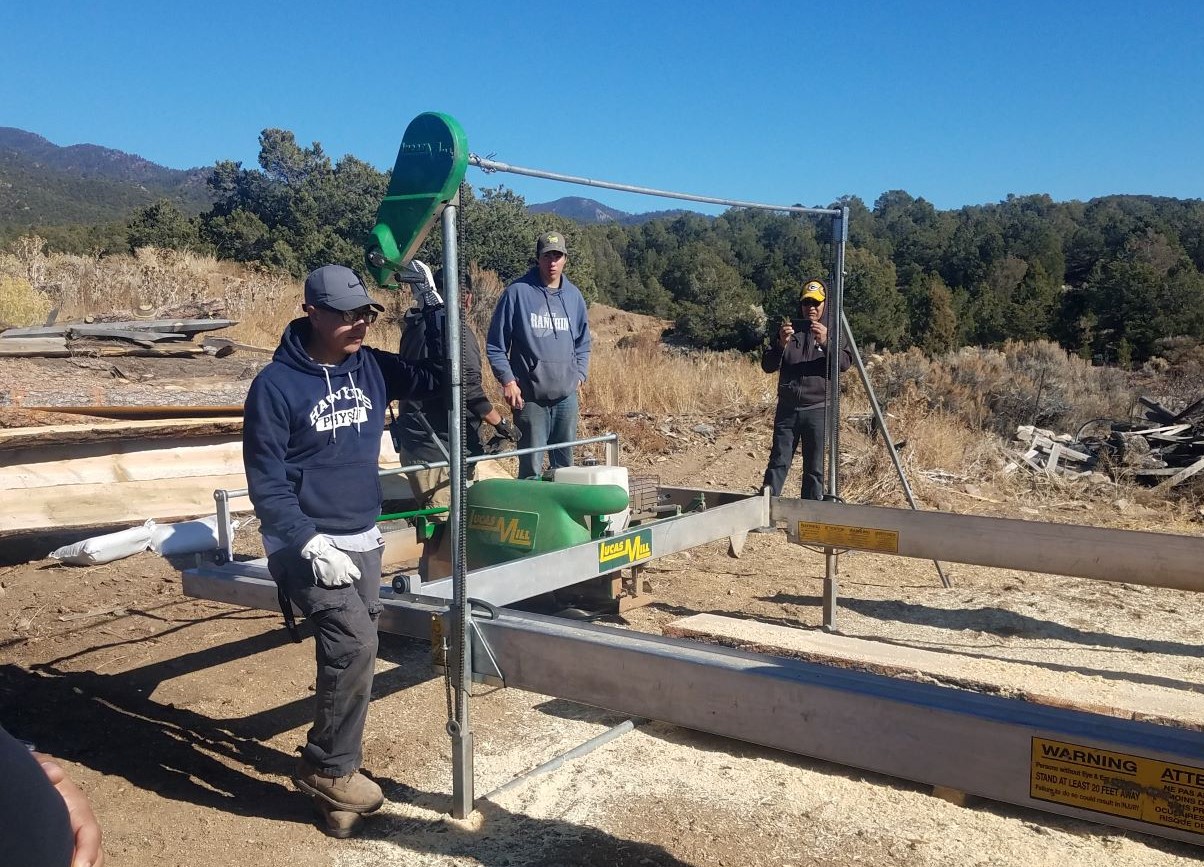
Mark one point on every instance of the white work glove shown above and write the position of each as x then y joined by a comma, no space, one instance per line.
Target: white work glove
332,568
422,283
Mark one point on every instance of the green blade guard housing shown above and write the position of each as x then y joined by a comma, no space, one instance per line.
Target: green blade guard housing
426,177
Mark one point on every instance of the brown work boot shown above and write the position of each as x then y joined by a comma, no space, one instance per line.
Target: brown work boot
354,792
340,824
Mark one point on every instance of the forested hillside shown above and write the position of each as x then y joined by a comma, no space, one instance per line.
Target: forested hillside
91,189
1117,279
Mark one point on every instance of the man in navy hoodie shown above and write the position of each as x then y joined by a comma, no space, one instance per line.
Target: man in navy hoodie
538,346
311,443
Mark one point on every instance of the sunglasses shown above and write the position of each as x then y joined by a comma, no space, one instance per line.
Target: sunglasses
351,317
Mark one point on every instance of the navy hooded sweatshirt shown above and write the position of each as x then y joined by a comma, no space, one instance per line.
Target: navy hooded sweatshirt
311,433
539,337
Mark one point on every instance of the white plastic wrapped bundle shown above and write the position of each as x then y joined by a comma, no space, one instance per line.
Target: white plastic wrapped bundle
186,537
106,548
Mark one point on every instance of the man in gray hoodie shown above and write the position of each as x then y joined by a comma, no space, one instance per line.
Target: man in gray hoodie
538,346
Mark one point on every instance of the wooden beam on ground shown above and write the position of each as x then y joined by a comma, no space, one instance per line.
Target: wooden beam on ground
18,348
115,503
146,413
1026,681
113,462
24,437
1185,473
33,347
180,326
100,332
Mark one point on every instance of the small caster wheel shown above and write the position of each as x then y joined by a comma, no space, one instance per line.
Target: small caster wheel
401,583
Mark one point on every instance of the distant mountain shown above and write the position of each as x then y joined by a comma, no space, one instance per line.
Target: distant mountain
589,211
43,184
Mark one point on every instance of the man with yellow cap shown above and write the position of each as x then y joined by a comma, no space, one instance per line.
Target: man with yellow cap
799,357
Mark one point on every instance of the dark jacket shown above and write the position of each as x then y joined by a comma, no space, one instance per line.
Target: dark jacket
540,338
311,435
802,368
407,429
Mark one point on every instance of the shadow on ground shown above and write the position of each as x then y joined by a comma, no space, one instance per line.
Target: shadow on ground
108,723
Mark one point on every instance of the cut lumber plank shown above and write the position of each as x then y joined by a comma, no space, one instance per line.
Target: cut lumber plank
121,461
87,348
1051,464
117,503
1184,474
181,326
31,347
23,437
1025,681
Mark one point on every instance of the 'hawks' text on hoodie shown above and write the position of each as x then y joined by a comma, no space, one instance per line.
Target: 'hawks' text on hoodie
311,435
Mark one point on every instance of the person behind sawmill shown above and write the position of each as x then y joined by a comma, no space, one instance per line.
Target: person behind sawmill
798,354
420,431
311,446
539,346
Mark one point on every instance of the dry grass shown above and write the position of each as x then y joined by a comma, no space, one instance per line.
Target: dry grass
20,303
656,381
996,390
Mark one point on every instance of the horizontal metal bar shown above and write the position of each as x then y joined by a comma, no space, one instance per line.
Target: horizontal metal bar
979,744
494,166
511,582
248,584
497,456
476,459
1129,556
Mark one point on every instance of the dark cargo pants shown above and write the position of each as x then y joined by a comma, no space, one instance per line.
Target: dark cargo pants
345,630
793,428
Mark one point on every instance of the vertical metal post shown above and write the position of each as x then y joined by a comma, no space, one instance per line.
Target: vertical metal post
458,727
225,532
612,452
840,236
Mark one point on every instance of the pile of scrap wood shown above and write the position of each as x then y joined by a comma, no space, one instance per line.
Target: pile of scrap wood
1166,448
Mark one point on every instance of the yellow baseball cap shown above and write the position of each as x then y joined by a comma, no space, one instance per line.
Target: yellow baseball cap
813,290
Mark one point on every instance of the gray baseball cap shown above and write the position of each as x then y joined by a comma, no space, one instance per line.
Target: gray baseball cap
550,241
336,287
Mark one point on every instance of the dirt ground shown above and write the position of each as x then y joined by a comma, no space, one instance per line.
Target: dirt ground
180,717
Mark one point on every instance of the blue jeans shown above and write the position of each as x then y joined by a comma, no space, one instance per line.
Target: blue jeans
802,429
546,421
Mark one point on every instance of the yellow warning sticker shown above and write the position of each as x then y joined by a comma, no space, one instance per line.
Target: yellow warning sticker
843,536
1119,784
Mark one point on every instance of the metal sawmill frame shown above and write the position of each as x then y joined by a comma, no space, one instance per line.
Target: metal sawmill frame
982,745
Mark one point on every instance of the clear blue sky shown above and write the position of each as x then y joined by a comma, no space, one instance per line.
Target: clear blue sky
958,102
